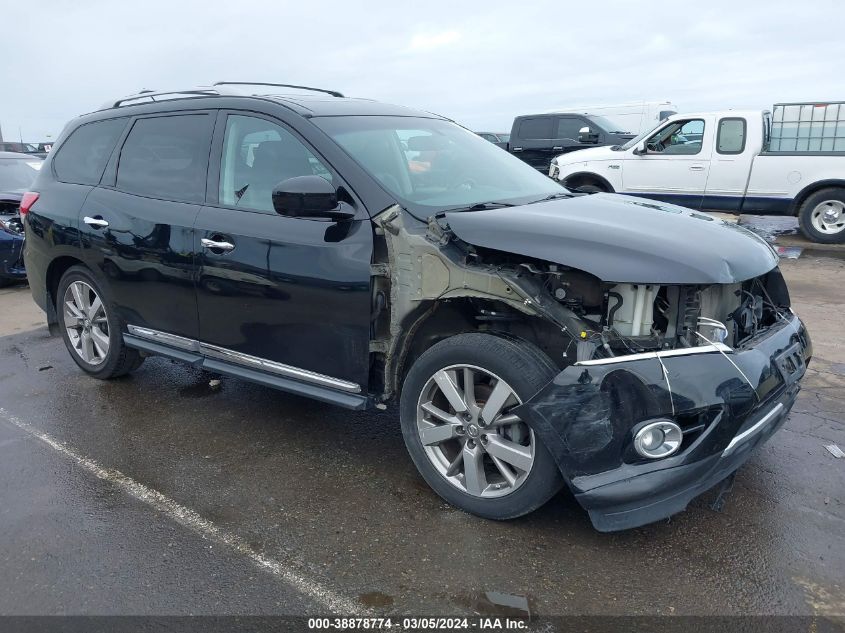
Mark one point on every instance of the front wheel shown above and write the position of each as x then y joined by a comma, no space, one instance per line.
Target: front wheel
90,328
459,427
822,216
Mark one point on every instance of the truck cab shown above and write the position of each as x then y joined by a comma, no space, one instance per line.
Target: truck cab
537,138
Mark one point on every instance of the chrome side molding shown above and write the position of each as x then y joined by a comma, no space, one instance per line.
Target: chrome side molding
254,362
164,338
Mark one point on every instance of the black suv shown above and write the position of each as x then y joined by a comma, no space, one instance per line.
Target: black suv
361,253
538,138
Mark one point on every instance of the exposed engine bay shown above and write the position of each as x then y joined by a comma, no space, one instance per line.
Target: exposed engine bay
571,314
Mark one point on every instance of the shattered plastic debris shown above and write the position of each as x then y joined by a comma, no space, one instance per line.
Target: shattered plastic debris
834,450
789,252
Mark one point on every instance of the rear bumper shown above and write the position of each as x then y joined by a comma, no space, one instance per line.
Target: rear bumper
727,404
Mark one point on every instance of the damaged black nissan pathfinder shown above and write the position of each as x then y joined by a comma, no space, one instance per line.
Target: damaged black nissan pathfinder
362,254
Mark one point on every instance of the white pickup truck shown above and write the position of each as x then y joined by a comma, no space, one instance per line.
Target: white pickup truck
790,161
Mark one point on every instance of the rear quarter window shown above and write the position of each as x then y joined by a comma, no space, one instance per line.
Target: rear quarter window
730,138
83,156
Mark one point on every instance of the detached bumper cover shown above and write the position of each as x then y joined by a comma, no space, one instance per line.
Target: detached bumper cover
727,403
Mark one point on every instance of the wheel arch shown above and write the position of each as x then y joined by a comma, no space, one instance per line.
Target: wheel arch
806,192
581,178
55,270
445,319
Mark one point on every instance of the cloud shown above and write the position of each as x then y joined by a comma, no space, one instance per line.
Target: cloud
478,64
427,41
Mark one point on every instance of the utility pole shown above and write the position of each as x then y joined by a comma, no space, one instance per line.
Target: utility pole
1,134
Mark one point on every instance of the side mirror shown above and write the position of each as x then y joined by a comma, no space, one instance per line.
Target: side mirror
586,135
308,197
641,148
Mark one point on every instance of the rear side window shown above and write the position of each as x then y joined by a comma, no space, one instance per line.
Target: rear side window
83,156
730,138
166,158
540,127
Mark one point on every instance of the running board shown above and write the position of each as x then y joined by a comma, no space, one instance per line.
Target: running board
316,392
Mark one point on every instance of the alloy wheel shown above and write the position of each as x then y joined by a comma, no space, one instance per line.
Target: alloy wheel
86,323
469,434
829,217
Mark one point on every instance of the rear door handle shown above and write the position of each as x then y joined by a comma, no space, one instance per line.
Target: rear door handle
216,246
697,168
559,148
97,222
516,149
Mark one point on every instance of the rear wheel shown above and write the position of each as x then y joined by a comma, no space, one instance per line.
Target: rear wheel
822,216
458,424
90,328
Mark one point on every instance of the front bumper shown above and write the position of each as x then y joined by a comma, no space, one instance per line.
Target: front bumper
11,256
727,403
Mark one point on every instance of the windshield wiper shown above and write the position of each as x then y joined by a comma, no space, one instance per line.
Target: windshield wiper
481,206
554,196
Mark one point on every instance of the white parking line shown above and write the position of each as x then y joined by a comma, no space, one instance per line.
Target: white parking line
190,519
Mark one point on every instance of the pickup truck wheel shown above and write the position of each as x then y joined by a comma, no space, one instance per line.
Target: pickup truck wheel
458,425
90,329
822,216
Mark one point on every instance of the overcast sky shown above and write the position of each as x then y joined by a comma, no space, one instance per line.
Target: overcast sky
480,63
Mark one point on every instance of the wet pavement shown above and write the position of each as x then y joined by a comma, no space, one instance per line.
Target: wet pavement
332,496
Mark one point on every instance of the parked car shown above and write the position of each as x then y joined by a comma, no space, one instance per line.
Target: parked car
533,338
537,138
636,117
17,173
33,149
734,161
499,139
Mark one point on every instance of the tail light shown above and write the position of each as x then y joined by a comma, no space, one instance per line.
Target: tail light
27,201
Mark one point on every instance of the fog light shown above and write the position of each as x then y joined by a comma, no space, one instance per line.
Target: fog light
658,439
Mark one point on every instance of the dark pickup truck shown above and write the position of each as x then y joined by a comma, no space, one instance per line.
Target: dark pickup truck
538,138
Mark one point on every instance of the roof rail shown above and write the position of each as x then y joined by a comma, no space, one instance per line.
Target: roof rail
333,93
152,94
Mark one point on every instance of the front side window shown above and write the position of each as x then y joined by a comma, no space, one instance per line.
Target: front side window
257,156
83,156
567,127
166,158
730,139
432,165
678,138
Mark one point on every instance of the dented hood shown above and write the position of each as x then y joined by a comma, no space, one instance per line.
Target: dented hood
621,239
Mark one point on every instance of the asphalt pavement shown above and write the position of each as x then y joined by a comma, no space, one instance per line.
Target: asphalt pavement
158,494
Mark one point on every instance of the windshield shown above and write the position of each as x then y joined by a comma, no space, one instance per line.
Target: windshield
431,165
606,124
18,173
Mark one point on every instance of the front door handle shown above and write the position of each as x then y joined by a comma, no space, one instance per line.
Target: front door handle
516,149
557,148
96,222
696,168
216,246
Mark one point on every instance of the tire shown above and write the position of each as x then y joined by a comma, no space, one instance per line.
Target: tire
449,456
825,203
94,340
